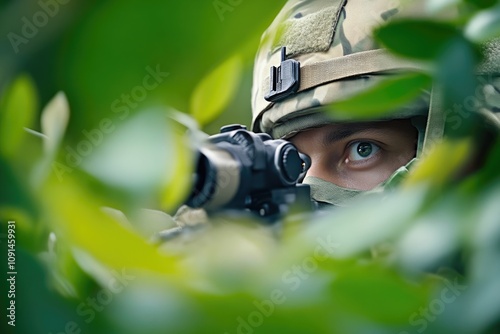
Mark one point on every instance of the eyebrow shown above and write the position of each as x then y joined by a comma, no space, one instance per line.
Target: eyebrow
347,130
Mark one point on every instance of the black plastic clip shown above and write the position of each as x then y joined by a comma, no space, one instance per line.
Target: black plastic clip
284,79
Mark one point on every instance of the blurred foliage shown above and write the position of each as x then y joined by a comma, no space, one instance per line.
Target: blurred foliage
373,103
86,184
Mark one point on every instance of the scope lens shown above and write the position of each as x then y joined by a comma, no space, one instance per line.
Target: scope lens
291,164
204,185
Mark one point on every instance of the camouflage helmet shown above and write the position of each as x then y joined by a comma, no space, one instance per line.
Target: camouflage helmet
332,41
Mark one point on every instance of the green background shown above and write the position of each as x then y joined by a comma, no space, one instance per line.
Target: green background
85,257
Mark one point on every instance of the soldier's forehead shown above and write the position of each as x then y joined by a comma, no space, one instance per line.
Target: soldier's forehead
331,133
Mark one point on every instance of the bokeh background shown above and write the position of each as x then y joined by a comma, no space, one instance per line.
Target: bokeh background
97,98
95,51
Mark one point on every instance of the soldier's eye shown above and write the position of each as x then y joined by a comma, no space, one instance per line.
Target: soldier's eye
362,150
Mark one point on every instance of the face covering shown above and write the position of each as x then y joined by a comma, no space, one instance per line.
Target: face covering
327,193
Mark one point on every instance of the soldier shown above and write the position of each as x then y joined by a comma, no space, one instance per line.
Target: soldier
330,54
325,52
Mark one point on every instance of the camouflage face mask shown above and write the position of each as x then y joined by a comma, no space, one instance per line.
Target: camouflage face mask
326,192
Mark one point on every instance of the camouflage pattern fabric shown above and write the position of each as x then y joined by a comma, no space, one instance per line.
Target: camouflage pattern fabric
490,82
347,26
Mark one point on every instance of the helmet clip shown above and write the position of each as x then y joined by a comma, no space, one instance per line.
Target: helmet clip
284,79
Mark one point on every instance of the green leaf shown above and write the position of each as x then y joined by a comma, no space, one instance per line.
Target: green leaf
134,156
15,199
440,236
416,38
359,227
179,182
385,97
484,26
17,111
434,6
455,74
54,120
76,216
215,91
482,3
441,164
378,294
55,117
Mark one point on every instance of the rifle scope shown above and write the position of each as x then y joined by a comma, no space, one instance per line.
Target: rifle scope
240,169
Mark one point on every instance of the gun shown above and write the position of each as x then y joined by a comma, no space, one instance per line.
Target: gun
242,170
